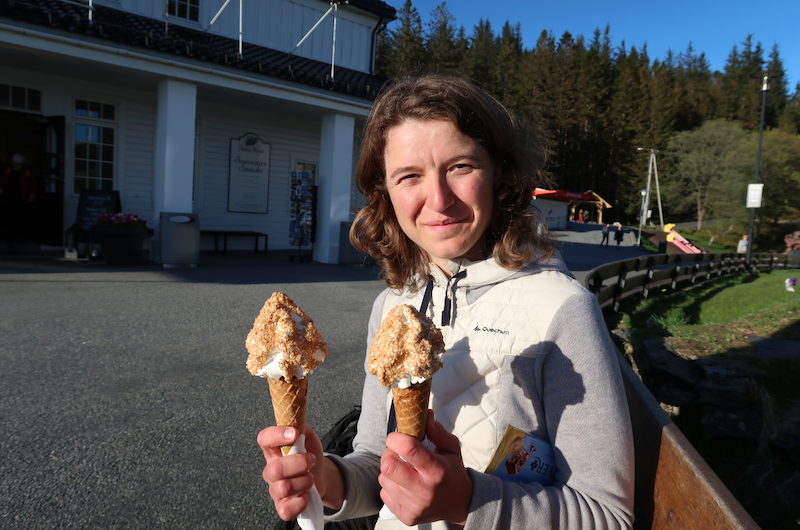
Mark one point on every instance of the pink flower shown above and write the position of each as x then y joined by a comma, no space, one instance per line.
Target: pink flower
121,220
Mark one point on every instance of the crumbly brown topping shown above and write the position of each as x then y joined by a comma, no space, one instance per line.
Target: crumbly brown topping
276,329
408,343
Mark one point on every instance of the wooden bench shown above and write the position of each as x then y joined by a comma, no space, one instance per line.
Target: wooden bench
236,233
675,488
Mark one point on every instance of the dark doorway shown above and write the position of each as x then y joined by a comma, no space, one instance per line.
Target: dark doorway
40,140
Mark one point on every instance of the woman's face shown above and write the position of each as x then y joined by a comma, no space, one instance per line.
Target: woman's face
440,182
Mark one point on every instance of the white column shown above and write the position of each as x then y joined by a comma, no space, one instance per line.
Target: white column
335,173
174,153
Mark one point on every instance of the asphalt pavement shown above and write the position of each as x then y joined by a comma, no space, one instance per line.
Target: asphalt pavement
124,398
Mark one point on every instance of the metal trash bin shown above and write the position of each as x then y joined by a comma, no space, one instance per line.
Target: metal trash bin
180,239
347,253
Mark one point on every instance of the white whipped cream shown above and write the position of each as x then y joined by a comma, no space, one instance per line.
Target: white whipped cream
272,368
408,380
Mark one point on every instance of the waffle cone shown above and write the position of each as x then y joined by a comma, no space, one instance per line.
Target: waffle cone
289,404
411,408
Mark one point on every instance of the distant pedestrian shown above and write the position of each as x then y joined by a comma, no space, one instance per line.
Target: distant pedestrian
618,235
580,216
741,248
606,230
17,193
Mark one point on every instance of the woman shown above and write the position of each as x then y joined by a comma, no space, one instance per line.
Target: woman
448,173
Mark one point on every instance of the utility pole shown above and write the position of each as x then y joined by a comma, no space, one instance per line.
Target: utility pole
652,169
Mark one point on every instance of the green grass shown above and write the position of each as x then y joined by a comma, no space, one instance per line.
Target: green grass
718,301
714,318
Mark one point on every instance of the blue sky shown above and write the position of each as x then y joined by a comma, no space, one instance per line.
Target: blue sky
712,26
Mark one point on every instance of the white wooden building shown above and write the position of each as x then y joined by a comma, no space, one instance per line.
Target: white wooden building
145,97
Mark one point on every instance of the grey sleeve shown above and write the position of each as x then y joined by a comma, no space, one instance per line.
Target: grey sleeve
574,390
360,469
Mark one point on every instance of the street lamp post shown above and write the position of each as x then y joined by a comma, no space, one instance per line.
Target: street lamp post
642,213
766,76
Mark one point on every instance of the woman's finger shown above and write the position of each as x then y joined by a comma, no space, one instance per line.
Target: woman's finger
272,438
288,466
289,508
281,489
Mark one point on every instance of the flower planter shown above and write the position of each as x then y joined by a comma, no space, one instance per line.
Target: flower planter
121,246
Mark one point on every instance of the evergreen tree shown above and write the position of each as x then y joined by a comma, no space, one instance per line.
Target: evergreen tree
440,41
696,98
594,112
462,47
405,42
630,103
778,93
740,97
479,59
383,53
790,118
538,78
664,104
506,67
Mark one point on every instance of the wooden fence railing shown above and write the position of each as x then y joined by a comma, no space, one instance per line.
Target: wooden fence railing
675,487
617,280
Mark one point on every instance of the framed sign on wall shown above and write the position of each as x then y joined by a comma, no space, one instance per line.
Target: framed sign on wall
248,182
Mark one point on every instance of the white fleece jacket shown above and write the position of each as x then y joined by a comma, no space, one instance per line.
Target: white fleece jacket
529,349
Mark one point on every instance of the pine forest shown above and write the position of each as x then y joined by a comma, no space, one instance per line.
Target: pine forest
599,102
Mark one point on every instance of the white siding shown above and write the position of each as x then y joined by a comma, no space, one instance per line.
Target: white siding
288,138
135,168
280,24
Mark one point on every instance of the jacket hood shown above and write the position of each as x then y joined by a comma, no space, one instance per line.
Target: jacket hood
488,272
477,277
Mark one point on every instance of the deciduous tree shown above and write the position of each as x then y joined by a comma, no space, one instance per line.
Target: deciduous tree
710,170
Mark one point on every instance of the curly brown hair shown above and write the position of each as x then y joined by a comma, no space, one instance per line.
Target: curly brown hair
520,150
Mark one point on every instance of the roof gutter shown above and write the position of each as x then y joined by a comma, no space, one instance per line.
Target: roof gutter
302,96
373,52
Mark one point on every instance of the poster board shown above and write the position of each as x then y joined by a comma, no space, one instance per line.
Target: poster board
301,212
248,181
92,203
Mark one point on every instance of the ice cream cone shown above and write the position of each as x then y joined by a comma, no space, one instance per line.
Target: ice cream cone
411,408
289,404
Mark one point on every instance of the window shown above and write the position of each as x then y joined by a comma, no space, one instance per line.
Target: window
92,109
17,97
93,146
188,9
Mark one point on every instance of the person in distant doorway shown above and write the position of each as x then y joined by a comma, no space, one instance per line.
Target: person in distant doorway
17,193
741,248
606,230
618,235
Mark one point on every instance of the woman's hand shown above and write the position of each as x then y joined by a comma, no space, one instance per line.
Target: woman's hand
290,477
424,485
